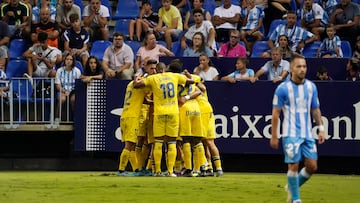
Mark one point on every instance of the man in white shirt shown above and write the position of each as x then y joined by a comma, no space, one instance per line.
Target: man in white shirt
96,20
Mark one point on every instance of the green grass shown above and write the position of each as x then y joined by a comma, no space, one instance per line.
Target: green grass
66,187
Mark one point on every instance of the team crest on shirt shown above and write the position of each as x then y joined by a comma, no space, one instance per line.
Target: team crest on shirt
18,12
82,36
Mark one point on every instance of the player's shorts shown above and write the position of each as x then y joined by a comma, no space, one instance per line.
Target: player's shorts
208,125
166,124
190,119
296,148
144,120
129,129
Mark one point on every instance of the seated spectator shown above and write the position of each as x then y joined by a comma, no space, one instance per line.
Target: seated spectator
46,25
346,20
4,41
232,48
297,36
206,69
353,70
205,27
118,59
327,5
96,20
198,47
313,18
93,70
149,50
330,46
322,74
170,22
284,46
148,20
252,17
76,39
277,69
63,12
226,18
356,53
65,84
42,58
277,9
190,18
242,73
16,14
36,10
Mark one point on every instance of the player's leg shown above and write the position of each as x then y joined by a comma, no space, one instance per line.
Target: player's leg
172,132
159,132
309,151
129,127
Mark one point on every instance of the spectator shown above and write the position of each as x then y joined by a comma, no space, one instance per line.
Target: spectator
198,47
297,36
226,18
36,10
93,70
190,18
170,22
313,18
346,20
150,50
277,9
322,74
232,48
118,59
16,15
206,69
205,27
45,25
328,5
284,46
41,58
4,40
330,46
251,25
96,20
63,12
65,84
352,68
76,39
148,20
357,48
242,73
277,69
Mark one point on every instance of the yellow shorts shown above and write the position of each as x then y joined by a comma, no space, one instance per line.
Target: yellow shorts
190,119
167,124
129,129
208,125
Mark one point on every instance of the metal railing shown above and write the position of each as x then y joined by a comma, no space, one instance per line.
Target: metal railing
31,105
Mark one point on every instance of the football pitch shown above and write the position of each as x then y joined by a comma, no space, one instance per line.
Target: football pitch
66,187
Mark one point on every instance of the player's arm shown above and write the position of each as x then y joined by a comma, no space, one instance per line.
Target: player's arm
274,141
316,114
138,82
257,75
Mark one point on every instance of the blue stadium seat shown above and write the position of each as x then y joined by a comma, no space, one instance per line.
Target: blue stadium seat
258,48
163,43
79,65
236,2
134,46
346,49
128,9
122,25
81,5
16,68
17,48
156,5
210,6
310,50
176,49
23,90
98,48
108,5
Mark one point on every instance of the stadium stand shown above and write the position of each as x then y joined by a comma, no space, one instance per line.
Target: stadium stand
210,6
176,49
107,3
161,43
273,25
80,4
134,46
22,89
98,48
17,48
128,9
156,5
16,68
310,50
122,25
258,48
346,49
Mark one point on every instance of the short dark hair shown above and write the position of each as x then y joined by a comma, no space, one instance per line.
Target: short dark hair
322,69
74,17
197,10
175,67
42,36
151,61
117,34
146,2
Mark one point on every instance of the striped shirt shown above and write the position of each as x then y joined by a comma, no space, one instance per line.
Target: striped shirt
316,12
67,78
255,14
296,102
329,45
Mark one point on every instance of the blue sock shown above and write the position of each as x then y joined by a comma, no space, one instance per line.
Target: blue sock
293,184
303,176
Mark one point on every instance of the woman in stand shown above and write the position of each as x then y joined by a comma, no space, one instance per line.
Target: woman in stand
93,70
198,47
205,69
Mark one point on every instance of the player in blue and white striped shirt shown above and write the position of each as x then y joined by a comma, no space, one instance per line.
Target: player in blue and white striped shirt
298,99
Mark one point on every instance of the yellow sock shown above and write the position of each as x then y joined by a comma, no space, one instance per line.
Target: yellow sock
133,160
149,164
138,154
201,154
187,155
158,155
209,164
171,156
124,158
217,162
